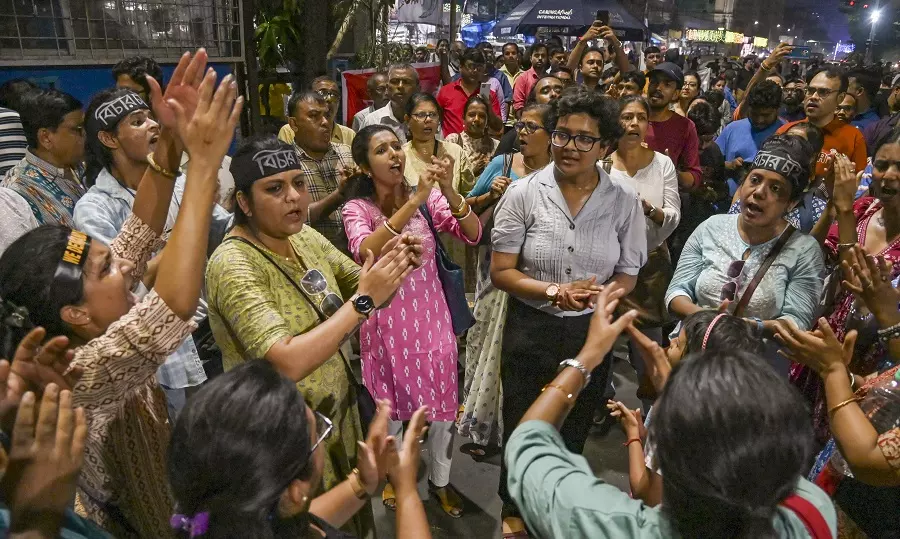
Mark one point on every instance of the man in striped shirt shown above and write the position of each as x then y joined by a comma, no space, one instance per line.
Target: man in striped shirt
12,140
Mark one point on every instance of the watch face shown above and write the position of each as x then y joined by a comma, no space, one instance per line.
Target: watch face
552,291
364,304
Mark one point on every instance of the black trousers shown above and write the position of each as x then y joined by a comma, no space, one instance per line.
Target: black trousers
534,343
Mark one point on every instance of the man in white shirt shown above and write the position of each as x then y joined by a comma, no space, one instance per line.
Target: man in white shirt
403,82
377,90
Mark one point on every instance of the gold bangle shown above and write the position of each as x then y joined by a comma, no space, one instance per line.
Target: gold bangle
460,217
461,206
840,405
570,397
356,484
159,169
390,229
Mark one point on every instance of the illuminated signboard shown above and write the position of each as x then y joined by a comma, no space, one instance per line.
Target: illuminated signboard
733,37
760,42
706,36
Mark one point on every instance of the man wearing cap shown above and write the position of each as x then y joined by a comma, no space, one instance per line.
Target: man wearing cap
670,133
875,132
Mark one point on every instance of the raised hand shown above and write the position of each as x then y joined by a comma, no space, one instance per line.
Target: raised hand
609,35
656,362
593,32
442,168
44,460
499,185
183,88
782,50
869,278
344,175
845,185
631,421
374,456
382,278
603,331
403,465
208,132
44,364
819,350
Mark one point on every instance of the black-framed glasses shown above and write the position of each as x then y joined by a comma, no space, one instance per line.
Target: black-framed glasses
824,93
324,426
527,127
583,143
730,288
315,284
883,165
422,116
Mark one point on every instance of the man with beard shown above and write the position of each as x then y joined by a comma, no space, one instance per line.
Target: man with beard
453,97
792,100
863,86
740,140
744,76
322,161
880,130
670,133
403,82
546,90
825,90
539,61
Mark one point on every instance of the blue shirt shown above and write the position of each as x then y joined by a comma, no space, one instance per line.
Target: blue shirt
491,171
730,98
740,139
868,117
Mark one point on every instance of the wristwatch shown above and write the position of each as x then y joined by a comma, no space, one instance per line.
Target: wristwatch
552,293
364,305
575,364
652,212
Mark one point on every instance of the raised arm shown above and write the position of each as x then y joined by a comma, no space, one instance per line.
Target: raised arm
765,67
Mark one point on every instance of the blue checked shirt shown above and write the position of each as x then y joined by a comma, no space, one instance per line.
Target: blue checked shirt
101,212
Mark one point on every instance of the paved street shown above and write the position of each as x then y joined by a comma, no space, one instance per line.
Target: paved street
478,481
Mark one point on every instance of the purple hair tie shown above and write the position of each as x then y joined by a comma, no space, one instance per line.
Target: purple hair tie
195,525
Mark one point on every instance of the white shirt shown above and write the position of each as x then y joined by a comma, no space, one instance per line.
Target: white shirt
16,217
385,116
657,183
360,117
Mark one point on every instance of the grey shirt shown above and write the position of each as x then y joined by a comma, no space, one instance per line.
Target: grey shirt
608,236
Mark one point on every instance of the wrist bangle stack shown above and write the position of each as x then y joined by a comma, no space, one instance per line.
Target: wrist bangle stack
159,170
357,485
392,230
841,404
889,333
460,211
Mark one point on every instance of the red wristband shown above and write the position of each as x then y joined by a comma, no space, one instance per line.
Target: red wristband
632,440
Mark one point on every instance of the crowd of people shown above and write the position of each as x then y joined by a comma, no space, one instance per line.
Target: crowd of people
183,319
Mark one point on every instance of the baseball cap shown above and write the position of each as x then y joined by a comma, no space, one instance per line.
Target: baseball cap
670,70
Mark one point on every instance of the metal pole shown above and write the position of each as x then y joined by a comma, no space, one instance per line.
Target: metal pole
452,20
871,43
248,9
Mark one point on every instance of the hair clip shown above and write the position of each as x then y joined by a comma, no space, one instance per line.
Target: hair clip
709,330
196,525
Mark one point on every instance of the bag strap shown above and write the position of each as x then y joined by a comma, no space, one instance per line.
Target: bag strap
437,239
761,272
810,516
319,313
507,164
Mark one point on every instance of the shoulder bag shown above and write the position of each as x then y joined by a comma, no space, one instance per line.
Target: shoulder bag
763,268
364,400
452,281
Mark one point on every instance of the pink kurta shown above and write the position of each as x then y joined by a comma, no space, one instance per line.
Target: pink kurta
408,348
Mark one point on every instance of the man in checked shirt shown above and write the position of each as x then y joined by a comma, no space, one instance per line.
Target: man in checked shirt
322,161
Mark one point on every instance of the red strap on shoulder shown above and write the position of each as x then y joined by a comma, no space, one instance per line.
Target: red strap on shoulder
811,517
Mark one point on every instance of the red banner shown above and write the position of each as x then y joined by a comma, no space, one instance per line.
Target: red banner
354,94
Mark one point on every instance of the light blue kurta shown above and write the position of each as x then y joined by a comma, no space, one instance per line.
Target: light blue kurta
790,289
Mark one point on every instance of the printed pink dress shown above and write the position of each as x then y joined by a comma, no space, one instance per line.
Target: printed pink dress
408,349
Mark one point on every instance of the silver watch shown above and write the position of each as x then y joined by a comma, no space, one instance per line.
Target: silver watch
575,364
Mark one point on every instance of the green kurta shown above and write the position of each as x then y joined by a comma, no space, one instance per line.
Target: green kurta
252,306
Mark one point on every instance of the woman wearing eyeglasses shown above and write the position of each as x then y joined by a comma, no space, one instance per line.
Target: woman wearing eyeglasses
558,236
482,405
248,454
723,256
278,290
408,350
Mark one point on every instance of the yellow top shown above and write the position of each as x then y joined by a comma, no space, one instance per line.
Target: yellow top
340,133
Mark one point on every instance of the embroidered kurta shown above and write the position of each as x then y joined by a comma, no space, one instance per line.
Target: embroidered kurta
408,348
51,192
123,485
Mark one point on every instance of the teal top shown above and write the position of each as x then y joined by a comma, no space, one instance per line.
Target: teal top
73,526
559,495
493,169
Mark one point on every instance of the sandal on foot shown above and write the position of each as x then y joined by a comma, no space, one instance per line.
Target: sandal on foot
450,499
519,534
479,452
388,498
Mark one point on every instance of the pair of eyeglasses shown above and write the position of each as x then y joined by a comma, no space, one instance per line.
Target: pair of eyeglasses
883,165
328,94
583,143
422,116
730,288
324,426
821,92
315,284
527,127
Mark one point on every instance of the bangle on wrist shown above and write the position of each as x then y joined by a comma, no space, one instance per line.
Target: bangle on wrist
392,230
159,170
570,397
461,217
841,404
887,334
631,441
359,490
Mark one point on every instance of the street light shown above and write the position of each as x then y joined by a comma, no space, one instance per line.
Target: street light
777,26
876,13
755,22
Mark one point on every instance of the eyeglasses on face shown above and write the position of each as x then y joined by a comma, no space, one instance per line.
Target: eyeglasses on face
328,94
527,127
583,143
824,93
422,116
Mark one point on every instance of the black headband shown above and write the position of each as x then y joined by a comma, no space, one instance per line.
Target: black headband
247,168
779,161
70,267
111,112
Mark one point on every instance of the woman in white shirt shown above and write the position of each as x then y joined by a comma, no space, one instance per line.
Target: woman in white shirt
653,176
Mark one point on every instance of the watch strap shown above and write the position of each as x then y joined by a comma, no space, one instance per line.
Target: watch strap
575,364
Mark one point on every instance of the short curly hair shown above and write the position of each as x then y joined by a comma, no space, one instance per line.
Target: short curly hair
766,95
601,107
